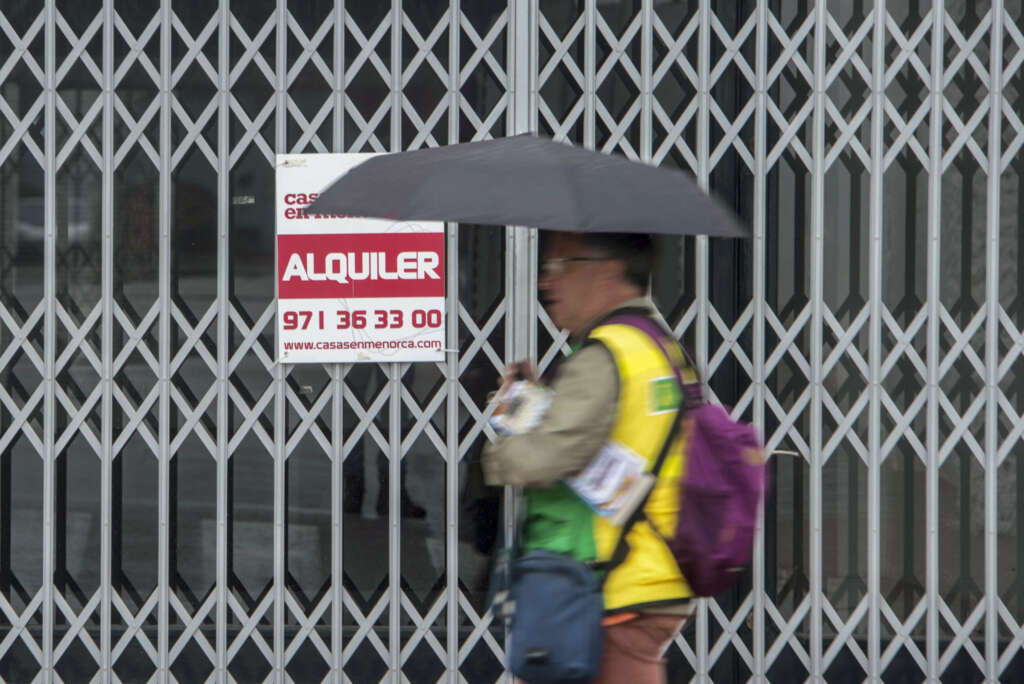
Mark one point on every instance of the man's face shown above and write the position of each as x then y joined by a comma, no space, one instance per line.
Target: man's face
571,274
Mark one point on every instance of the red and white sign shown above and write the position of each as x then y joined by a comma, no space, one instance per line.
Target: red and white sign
353,289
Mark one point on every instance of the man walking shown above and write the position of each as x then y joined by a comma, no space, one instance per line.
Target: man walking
613,387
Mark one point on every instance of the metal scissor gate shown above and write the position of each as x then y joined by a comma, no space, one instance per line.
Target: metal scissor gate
176,507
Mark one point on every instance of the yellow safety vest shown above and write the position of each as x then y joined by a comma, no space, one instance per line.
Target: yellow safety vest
649,397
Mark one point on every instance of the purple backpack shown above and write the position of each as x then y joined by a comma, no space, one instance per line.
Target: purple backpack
719,496
720,490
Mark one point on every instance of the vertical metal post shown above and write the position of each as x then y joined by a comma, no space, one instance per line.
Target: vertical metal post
338,71
395,518
522,60
164,349
527,241
511,495
337,517
164,342
520,291
337,371
49,335
106,334
451,366
280,369
394,371
9,191
517,61
589,73
703,174
520,242
701,267
452,460
934,351
759,228
995,130
817,335
875,220
646,79
701,293
223,290
396,76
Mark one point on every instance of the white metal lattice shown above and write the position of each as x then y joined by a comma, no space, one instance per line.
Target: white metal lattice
783,97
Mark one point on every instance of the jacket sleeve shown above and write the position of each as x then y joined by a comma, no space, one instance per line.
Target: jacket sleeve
578,422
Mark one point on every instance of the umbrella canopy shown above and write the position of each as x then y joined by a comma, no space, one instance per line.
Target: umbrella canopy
528,181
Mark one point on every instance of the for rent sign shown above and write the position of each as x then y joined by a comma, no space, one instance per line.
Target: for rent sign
352,289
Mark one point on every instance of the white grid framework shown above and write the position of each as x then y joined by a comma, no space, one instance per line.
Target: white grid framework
875,331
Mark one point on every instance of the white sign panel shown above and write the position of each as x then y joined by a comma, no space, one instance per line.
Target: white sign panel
353,289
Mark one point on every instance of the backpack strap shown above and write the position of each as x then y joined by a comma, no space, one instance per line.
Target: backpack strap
622,546
693,392
692,396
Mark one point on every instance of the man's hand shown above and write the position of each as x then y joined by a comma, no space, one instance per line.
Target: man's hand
518,370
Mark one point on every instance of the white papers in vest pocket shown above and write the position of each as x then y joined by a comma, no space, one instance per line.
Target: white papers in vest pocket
614,483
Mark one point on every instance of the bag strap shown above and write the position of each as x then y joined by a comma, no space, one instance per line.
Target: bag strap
692,396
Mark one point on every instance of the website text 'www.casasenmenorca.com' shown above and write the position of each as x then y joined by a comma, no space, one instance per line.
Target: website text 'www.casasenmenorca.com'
377,345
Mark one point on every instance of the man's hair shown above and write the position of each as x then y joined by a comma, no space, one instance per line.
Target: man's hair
635,250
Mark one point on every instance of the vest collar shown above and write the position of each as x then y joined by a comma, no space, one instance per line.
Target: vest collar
639,305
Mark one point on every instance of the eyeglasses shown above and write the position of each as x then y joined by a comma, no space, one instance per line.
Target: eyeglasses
553,267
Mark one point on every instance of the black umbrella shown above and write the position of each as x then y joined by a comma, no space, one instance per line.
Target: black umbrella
528,181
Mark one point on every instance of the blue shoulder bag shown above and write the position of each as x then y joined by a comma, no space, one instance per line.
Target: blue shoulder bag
556,606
